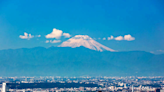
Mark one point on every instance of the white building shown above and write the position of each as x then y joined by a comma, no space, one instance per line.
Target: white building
4,87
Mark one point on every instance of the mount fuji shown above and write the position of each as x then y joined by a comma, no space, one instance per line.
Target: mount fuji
86,41
73,58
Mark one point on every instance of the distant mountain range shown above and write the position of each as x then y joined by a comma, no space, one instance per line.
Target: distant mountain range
66,61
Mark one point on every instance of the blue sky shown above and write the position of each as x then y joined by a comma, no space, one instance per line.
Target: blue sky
141,19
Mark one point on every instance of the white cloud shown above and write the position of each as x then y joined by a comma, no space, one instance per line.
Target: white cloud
38,35
99,38
26,36
30,36
110,38
66,35
55,34
47,41
55,41
104,38
119,38
128,37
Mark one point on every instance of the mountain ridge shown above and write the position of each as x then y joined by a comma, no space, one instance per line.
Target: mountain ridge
78,61
79,48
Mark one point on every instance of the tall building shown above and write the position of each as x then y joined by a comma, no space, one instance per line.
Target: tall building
132,88
4,89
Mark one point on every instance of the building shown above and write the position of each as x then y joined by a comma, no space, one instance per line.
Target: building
4,87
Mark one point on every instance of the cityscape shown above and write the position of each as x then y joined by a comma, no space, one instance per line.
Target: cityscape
103,84
81,45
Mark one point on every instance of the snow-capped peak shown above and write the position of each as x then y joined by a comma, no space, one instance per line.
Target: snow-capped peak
82,36
86,41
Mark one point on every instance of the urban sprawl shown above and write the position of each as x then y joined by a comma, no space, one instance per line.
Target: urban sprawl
106,84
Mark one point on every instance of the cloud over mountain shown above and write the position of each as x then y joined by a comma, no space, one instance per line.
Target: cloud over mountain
110,38
26,36
119,38
66,35
128,37
55,34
